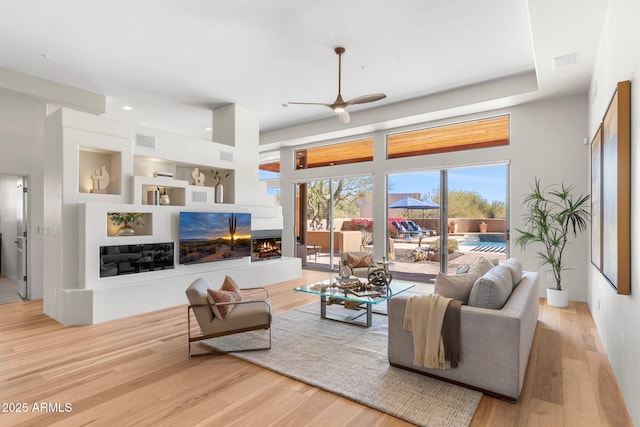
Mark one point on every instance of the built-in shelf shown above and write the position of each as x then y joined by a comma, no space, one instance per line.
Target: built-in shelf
91,162
145,229
143,185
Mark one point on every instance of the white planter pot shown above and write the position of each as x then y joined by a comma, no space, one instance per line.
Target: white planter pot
558,298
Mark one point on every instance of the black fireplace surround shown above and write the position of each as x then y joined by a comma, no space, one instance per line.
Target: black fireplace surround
266,244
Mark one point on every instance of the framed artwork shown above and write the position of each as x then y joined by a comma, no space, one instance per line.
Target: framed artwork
616,195
596,199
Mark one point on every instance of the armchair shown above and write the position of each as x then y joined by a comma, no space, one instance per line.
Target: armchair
247,315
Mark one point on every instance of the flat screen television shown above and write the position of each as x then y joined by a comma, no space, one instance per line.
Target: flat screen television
214,236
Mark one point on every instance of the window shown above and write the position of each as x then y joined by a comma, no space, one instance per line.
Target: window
482,133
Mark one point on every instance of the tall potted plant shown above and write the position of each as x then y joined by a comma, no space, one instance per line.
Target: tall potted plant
551,215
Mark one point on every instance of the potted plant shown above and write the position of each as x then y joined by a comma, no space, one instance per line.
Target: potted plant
126,219
551,215
483,227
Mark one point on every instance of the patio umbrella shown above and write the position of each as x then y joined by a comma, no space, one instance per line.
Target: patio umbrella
412,203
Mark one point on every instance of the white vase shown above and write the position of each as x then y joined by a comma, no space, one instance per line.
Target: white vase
164,199
219,193
558,298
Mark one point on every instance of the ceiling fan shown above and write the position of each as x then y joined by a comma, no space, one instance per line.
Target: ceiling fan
340,105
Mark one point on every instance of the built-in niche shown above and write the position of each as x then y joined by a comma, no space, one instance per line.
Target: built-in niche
131,259
138,224
99,171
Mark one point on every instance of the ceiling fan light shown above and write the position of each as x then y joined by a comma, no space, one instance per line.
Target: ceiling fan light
339,109
344,117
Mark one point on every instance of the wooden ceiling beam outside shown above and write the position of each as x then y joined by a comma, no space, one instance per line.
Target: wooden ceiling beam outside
462,136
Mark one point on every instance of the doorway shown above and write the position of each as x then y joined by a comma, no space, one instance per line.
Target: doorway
13,238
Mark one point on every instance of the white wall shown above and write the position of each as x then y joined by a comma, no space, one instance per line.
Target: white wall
546,141
616,316
8,219
22,153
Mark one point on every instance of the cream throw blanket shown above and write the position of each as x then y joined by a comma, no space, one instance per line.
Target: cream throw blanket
423,317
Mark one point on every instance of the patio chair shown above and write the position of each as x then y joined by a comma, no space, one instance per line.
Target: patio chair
423,231
403,231
246,315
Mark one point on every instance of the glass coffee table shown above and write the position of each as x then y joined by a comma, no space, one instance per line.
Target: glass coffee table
339,291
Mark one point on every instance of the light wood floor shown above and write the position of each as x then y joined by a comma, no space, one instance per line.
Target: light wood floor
135,371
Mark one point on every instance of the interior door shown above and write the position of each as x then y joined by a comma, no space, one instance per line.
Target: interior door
21,240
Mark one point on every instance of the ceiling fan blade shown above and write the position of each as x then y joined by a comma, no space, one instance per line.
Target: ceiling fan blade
366,98
311,103
344,117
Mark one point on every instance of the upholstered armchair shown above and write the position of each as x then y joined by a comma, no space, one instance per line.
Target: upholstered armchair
244,315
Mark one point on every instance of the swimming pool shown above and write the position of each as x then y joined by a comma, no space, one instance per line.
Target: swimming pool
489,242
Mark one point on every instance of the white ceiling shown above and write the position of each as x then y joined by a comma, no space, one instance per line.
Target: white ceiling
174,61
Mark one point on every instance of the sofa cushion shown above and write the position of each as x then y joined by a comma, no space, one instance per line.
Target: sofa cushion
492,290
356,261
515,266
456,286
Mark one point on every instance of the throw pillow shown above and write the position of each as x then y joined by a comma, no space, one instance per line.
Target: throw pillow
456,286
218,296
230,285
493,289
515,266
360,261
481,266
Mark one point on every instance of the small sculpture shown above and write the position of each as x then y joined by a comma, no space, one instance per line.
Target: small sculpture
100,180
198,177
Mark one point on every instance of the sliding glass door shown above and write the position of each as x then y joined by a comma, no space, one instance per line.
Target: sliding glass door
333,215
442,221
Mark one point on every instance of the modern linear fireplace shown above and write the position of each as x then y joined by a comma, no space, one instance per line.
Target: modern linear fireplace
266,244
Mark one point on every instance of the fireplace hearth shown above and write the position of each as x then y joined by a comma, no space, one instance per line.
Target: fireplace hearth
266,244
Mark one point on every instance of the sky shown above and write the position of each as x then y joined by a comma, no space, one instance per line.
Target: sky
198,226
488,181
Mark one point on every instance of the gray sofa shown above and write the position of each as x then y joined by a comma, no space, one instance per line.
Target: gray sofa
495,342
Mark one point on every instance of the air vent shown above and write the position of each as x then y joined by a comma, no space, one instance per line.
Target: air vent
226,156
199,197
564,60
145,141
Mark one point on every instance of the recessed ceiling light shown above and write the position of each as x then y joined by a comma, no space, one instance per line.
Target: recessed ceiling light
127,107
208,128
45,56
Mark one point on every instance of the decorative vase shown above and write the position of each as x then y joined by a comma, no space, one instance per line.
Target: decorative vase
219,193
483,227
558,298
164,199
126,230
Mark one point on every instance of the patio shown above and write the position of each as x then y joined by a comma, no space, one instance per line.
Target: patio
404,266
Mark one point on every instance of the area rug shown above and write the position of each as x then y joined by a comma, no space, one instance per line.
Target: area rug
351,361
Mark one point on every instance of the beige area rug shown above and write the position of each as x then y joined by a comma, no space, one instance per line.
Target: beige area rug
352,362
